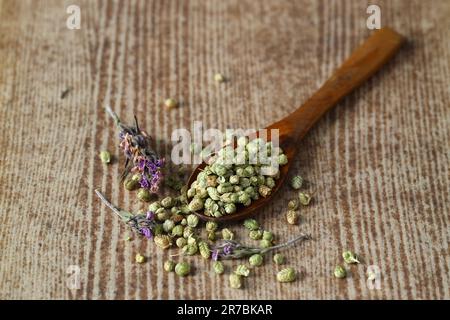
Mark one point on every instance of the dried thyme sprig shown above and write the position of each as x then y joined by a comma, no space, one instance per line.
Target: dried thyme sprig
143,223
141,158
229,249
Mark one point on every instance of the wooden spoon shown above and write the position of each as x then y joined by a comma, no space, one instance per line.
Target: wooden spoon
362,64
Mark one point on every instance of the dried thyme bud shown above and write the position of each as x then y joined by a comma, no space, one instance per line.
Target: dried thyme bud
184,222
168,202
163,241
192,220
168,225
265,244
171,103
287,275
234,179
227,234
292,217
182,269
211,235
282,159
140,258
235,281
132,183
278,258
251,224
169,266
256,260
144,195
196,204
242,270
230,208
154,206
105,157
178,230
350,257
340,272
191,240
162,215
293,204
219,77
296,182
203,247
218,267
190,249
188,232
264,191
267,235
304,198
181,242
256,234
211,226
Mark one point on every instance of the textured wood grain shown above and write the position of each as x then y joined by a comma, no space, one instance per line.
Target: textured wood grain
378,163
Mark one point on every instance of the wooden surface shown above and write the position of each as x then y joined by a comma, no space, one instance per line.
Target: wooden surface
378,163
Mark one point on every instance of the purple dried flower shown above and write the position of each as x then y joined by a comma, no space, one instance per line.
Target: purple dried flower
150,215
147,233
227,249
215,255
144,182
141,158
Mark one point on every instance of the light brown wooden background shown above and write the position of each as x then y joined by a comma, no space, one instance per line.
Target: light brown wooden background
379,162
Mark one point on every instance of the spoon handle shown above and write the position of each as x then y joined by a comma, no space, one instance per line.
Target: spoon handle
363,63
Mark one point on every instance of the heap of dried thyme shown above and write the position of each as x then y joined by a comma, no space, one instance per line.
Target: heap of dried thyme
219,188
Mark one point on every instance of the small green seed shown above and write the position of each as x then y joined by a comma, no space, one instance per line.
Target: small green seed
192,220
304,198
340,272
177,231
132,183
267,235
211,235
211,226
227,234
287,275
235,281
144,195
278,258
182,269
292,217
256,260
203,247
181,242
293,204
140,258
190,249
265,244
105,157
256,234
168,225
218,267
169,266
242,270
168,202
251,224
171,103
296,182
219,77
350,257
